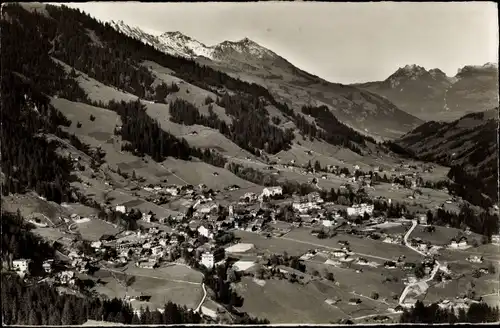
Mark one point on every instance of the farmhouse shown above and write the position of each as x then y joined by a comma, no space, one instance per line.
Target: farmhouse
475,259
460,243
174,191
354,301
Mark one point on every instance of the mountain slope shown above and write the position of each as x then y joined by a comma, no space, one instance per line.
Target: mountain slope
431,95
469,145
247,60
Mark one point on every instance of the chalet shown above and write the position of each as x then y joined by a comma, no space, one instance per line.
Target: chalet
121,208
146,217
458,243
390,265
354,301
409,266
484,270
389,240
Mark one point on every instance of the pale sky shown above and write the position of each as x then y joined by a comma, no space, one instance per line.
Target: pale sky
340,42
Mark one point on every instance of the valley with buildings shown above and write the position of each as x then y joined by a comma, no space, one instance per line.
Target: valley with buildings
155,180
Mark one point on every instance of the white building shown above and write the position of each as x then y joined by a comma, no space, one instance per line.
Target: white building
360,209
475,259
339,254
207,259
205,209
461,243
495,239
121,208
21,266
205,232
271,191
172,191
304,207
146,217
328,223
96,244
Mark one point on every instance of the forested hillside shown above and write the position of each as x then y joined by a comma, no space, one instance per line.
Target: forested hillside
468,145
115,59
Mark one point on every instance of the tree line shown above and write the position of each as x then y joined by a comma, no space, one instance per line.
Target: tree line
431,314
42,304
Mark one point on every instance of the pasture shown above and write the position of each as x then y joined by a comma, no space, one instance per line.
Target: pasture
282,302
272,245
442,235
95,229
160,290
365,283
371,249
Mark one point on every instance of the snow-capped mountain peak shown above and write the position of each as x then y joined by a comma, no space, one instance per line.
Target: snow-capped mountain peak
179,44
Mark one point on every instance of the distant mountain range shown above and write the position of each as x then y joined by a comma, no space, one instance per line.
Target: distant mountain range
431,95
364,111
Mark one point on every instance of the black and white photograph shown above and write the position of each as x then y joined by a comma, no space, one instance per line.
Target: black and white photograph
249,163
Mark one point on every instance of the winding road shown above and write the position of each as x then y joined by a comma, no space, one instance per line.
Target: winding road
433,273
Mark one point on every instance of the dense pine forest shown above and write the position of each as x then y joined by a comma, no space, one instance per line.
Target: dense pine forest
333,131
26,116
19,242
251,128
432,314
42,304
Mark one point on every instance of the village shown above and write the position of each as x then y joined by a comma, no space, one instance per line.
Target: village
209,234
